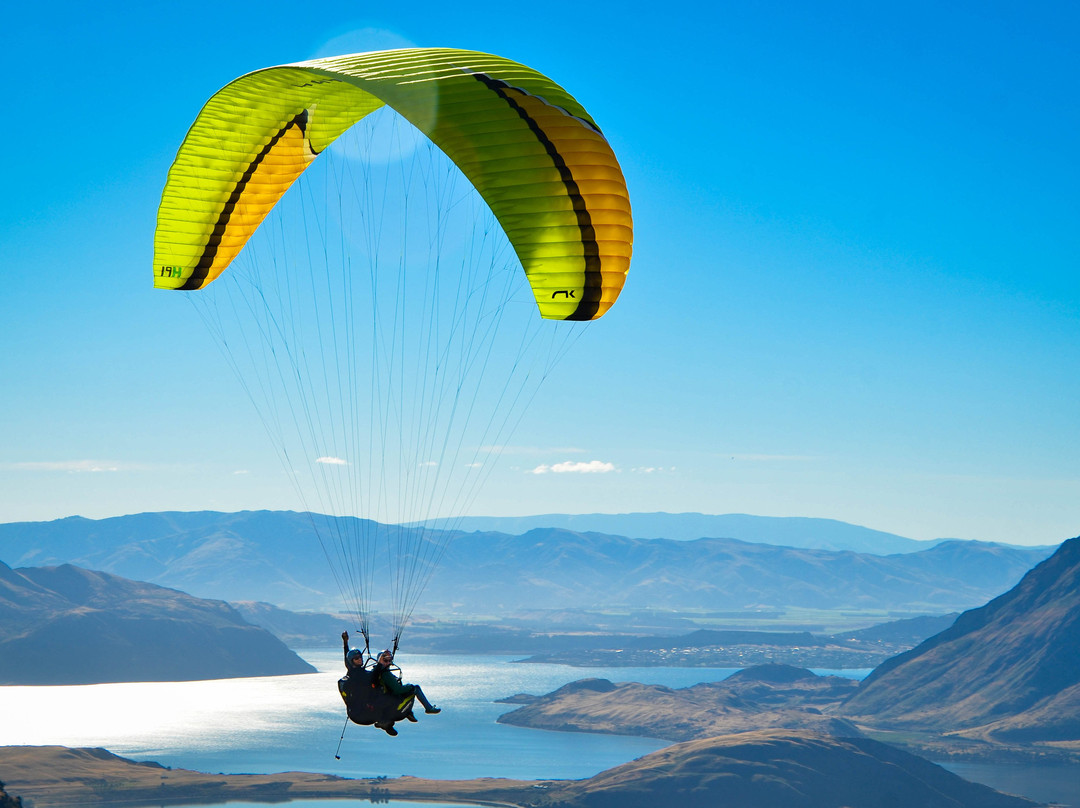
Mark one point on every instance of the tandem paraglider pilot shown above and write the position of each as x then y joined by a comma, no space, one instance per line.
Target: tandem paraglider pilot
375,695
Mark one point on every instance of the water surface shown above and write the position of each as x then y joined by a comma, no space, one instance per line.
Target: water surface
282,723
293,723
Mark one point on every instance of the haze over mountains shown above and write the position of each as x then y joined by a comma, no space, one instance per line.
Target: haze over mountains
785,531
553,569
273,557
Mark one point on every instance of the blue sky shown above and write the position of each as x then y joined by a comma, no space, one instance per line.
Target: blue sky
854,291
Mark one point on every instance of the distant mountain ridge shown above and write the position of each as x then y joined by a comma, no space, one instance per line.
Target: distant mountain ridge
784,531
273,557
553,569
66,625
1009,670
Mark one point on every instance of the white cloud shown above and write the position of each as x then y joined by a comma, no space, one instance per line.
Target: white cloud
653,470
574,467
331,461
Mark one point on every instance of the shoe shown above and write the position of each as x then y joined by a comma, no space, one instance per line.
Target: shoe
389,730
432,710
410,717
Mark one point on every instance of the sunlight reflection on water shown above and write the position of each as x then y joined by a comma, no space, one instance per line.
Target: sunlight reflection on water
148,715
280,723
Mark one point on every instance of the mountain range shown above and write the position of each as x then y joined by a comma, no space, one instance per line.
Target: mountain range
555,569
66,625
785,531
273,557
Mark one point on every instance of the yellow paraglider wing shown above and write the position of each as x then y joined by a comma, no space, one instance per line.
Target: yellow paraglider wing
531,151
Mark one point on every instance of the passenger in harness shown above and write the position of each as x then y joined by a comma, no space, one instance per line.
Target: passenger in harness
376,695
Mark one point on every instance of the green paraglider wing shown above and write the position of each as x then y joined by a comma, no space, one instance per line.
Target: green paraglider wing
530,150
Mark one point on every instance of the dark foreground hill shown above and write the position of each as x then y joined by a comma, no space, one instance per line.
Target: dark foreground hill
779,769
1008,671
7,801
752,770
66,625
274,557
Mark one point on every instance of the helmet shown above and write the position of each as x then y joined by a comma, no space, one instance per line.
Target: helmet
353,654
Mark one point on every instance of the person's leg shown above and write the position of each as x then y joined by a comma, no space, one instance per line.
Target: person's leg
429,708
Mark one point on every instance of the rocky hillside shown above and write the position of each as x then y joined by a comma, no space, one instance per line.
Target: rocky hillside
67,625
1008,671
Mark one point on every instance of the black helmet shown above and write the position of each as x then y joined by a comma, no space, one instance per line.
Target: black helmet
353,654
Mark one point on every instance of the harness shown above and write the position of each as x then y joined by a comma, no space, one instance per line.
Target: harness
377,672
367,699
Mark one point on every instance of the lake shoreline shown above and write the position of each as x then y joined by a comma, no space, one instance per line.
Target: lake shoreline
753,768
58,776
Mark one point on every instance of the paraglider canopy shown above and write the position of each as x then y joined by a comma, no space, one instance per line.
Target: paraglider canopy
377,447
533,153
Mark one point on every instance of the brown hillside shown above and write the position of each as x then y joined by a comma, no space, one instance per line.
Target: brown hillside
781,770
766,696
753,770
1009,669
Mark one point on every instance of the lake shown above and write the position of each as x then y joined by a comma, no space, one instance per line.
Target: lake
282,723
271,724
